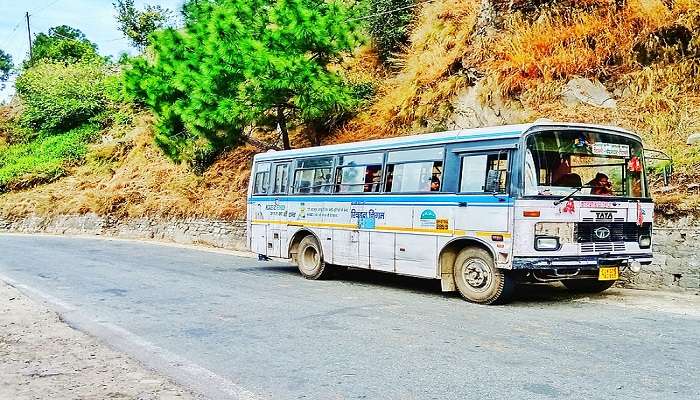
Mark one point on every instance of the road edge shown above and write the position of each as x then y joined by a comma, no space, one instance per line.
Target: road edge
201,381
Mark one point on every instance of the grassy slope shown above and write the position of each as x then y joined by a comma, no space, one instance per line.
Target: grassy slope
525,57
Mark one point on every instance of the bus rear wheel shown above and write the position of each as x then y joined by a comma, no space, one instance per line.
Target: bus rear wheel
310,259
478,280
587,285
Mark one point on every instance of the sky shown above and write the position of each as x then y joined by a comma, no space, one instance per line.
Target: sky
95,18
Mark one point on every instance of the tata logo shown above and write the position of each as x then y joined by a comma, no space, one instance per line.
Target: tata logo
603,215
602,232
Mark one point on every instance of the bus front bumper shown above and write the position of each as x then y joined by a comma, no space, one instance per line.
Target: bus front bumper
580,262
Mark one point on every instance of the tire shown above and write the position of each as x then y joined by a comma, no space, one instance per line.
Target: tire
310,260
478,280
587,285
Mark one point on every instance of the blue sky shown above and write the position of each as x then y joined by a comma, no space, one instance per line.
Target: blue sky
96,18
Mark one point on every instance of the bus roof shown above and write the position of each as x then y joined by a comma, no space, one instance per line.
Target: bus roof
504,132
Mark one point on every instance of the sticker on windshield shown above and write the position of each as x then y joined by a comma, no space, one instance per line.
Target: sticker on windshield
611,149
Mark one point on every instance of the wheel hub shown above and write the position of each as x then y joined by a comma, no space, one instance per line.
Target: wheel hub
476,273
309,259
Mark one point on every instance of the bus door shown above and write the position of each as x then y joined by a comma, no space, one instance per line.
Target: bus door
346,242
483,200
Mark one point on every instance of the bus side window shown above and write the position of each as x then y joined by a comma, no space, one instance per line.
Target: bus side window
359,173
314,175
477,169
262,178
411,171
281,179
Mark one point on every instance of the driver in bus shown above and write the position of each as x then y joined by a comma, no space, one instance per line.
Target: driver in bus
600,185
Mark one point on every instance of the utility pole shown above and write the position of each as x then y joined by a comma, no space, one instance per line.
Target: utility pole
29,34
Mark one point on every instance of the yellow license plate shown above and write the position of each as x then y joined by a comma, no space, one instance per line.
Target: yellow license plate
608,274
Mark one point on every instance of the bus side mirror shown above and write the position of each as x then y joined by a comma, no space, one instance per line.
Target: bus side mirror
659,163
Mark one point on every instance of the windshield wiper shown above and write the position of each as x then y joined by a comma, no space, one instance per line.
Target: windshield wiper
568,196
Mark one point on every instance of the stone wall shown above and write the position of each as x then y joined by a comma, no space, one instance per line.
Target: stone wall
676,245
217,233
676,257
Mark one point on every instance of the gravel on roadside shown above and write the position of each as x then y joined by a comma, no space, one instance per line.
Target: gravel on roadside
41,357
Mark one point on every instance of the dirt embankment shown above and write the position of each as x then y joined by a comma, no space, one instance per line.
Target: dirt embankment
43,358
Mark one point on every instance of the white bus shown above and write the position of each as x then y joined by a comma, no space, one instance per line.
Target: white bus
479,209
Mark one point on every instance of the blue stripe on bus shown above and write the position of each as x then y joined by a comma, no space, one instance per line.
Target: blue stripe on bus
486,200
310,151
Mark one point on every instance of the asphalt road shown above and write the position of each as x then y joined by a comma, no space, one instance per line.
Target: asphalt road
230,326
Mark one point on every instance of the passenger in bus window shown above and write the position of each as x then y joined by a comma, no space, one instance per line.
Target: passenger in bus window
373,179
435,184
600,185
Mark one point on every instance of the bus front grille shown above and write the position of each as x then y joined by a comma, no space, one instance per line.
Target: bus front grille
612,232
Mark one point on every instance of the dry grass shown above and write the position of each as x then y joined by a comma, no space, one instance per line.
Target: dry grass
454,42
523,53
419,92
131,178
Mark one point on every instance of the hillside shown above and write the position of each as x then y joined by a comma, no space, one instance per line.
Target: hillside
634,64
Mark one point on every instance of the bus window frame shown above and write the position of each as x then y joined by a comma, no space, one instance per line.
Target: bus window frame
339,166
509,170
269,177
275,164
293,186
442,175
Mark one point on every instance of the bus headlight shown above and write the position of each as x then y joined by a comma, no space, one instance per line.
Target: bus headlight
546,243
644,242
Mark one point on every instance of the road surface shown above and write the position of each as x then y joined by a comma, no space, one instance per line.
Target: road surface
232,327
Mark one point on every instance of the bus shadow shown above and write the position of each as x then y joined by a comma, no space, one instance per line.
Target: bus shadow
524,293
391,280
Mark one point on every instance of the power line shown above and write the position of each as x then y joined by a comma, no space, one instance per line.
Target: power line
390,11
12,34
41,10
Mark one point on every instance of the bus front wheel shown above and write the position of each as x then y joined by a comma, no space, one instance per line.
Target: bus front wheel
310,259
478,280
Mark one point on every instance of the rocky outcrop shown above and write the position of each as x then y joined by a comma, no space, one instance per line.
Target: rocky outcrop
476,107
586,91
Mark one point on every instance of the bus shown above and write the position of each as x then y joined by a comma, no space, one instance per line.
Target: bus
479,209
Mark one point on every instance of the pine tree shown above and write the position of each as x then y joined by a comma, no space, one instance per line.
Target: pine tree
238,63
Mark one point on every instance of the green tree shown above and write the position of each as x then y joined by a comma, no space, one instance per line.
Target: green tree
63,44
137,25
238,63
5,65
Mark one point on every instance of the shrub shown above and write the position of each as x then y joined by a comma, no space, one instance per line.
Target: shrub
43,159
58,96
390,28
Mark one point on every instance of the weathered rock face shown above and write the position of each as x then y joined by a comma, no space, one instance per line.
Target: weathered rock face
676,245
473,110
582,90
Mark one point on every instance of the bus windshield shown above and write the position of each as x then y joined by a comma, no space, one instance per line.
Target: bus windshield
601,164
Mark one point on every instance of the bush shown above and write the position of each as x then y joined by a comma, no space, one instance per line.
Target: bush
390,31
59,97
44,159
